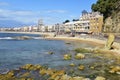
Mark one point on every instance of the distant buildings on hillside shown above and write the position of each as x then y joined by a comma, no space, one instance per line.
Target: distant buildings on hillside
88,23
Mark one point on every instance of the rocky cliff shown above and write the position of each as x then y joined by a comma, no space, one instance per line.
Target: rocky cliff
112,23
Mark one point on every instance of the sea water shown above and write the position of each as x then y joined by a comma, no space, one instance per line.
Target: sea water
15,53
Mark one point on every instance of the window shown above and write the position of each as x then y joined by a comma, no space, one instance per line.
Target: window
88,27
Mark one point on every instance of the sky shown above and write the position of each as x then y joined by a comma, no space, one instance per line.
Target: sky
15,13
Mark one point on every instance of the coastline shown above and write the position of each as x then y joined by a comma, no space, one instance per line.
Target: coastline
99,60
39,33
93,41
96,42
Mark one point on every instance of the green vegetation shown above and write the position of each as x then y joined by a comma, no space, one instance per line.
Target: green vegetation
82,50
75,20
51,53
106,7
66,21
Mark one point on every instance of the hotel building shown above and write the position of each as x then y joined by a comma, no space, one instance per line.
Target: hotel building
95,21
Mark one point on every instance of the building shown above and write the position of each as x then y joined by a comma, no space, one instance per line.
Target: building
77,27
59,28
40,25
95,21
50,28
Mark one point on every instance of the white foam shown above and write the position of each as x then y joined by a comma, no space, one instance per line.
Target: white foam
37,37
5,38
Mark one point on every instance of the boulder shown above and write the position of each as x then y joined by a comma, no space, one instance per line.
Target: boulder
22,38
115,69
79,56
100,78
27,66
51,53
72,64
81,67
78,78
109,42
67,57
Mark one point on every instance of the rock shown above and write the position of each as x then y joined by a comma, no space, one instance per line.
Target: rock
23,79
43,72
78,78
65,77
37,67
67,57
30,79
86,79
92,67
100,78
72,64
50,72
27,66
115,69
56,75
25,74
22,38
109,42
79,56
112,23
68,43
10,73
4,71
118,72
51,53
81,67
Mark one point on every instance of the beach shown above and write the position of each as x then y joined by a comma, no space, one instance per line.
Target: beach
93,41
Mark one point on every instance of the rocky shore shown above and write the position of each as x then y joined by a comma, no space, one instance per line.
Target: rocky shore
107,63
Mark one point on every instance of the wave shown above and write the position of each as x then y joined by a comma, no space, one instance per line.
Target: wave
9,38
5,38
37,37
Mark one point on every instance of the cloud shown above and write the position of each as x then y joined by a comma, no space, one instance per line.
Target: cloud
24,16
3,4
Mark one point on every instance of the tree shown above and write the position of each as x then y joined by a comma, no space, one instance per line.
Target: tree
66,21
106,7
75,20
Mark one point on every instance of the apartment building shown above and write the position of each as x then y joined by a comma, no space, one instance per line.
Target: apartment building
78,27
95,21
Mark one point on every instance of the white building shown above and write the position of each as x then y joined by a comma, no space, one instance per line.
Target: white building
77,26
59,28
50,28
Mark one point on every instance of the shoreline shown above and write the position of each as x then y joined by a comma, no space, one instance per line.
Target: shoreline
96,42
93,41
39,33
87,40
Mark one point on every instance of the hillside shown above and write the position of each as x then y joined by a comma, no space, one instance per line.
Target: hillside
111,11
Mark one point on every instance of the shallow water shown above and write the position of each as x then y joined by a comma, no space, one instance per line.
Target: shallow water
15,53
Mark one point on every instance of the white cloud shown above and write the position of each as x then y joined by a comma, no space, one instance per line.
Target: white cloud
22,16
31,16
3,4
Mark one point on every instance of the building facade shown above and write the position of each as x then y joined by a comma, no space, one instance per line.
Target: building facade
78,27
95,21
